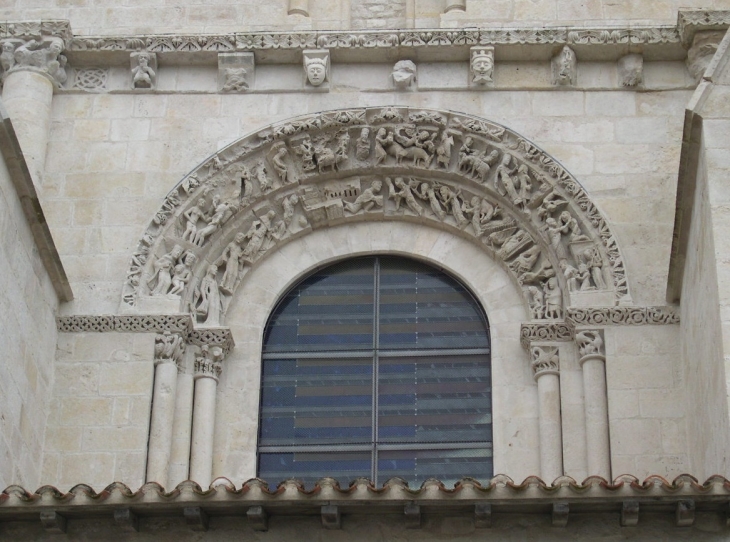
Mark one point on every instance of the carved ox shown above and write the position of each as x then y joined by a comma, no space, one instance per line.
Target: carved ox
419,156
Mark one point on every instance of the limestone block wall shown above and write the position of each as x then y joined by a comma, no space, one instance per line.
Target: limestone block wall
646,394
28,304
623,146
105,17
100,408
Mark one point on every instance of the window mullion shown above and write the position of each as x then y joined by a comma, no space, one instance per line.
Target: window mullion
376,344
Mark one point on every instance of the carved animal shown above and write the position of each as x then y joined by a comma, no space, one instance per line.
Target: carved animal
419,156
326,157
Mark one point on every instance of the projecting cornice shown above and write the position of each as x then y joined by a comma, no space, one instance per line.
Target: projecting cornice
512,42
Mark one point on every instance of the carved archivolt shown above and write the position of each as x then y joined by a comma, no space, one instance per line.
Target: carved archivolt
462,174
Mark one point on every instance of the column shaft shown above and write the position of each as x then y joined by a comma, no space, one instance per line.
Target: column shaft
596,411
551,438
201,454
163,412
27,96
181,430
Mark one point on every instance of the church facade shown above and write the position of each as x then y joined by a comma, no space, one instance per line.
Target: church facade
394,269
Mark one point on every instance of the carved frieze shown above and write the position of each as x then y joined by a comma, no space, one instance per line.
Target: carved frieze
467,175
624,316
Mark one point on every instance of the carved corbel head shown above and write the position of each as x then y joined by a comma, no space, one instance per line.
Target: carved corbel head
482,65
565,68
316,67
144,69
630,70
404,75
704,46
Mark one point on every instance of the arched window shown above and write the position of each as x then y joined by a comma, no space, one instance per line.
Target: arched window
376,367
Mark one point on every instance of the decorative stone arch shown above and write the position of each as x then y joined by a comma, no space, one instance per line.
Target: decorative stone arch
456,191
468,176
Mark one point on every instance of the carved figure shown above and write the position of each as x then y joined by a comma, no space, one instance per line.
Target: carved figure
555,235
444,148
465,154
235,80
450,199
368,199
403,191
163,270
182,274
525,261
306,151
550,203
589,342
362,146
316,69
7,57
192,216
257,234
584,276
571,275
517,239
56,62
143,76
567,222
413,146
326,157
592,258
482,65
288,205
553,299
262,178
231,257
343,145
209,305
404,74
536,301
383,140
427,193
222,211
280,165
481,212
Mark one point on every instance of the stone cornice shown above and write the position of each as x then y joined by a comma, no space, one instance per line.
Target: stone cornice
600,41
627,316
654,494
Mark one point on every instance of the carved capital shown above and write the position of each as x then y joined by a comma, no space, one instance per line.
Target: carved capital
41,55
590,344
209,364
169,348
545,361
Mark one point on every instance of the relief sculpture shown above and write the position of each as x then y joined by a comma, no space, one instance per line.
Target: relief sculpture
475,178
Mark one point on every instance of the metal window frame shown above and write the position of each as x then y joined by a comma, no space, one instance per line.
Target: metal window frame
375,354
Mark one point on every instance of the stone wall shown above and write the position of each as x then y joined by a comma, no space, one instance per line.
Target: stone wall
28,304
100,408
150,16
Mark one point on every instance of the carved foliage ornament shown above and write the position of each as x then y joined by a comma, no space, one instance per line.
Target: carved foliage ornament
466,175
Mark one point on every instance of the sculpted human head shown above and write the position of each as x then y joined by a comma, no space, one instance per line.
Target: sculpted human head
482,65
240,236
376,186
316,71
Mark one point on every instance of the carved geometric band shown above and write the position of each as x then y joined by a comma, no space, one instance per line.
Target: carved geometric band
554,331
142,323
628,316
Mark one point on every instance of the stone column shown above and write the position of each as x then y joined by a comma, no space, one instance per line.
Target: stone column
298,7
593,363
181,429
546,370
208,368
455,5
168,353
31,71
